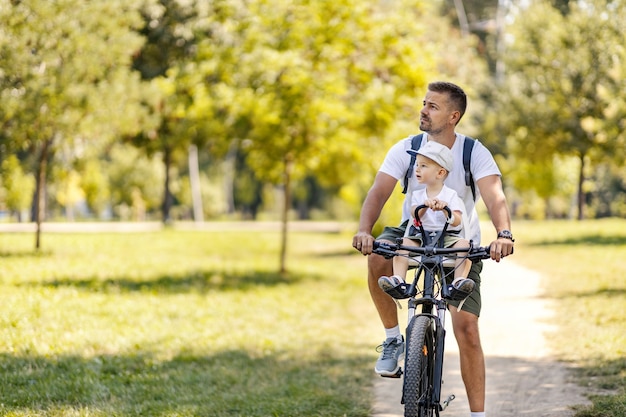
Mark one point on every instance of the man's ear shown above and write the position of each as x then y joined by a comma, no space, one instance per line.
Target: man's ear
455,116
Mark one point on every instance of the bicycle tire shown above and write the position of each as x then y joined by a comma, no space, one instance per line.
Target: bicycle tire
419,368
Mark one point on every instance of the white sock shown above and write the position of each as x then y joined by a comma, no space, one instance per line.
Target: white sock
457,279
393,332
477,414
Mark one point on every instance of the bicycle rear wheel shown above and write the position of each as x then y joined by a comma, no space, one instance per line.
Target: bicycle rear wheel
419,368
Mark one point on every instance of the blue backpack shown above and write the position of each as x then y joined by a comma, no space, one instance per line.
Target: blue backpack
468,146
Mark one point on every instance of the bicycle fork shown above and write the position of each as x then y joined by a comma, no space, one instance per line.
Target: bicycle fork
440,336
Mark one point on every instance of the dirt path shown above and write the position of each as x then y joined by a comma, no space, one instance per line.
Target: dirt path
522,377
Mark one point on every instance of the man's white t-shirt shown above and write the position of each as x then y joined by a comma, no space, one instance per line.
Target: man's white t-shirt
434,220
482,165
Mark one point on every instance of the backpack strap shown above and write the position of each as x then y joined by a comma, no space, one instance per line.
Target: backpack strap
468,146
416,142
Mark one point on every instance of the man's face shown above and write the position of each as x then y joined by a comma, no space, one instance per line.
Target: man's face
435,114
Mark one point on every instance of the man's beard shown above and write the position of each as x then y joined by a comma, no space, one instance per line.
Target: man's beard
428,128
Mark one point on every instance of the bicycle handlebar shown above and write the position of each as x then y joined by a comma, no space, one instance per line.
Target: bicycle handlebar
423,206
390,250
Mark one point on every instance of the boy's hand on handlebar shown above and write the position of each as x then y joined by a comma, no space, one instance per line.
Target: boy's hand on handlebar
363,242
501,248
435,204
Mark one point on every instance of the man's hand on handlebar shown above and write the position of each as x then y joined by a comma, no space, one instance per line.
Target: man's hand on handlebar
363,242
500,248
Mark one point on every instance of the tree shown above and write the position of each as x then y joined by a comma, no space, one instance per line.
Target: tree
171,31
64,65
316,85
565,75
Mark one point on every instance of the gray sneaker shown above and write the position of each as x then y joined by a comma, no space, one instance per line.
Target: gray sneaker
389,283
461,289
391,352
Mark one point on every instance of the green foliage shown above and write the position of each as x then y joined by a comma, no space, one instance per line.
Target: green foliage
18,186
95,185
327,85
307,89
562,95
136,182
60,61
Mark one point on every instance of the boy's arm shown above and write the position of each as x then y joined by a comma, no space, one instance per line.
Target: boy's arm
457,218
420,213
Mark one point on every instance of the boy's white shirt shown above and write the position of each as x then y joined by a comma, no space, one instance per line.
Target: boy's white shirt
482,164
434,220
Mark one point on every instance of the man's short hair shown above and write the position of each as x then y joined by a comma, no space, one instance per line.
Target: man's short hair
456,94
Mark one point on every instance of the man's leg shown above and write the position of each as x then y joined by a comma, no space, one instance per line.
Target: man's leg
465,326
378,266
392,348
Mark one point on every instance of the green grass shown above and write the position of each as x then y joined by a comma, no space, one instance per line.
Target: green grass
584,266
181,323
177,323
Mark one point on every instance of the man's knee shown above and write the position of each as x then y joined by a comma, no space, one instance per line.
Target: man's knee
466,328
378,264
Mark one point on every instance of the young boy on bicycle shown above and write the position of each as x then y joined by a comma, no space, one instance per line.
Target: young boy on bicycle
433,163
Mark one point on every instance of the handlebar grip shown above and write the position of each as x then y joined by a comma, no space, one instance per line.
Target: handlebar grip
423,206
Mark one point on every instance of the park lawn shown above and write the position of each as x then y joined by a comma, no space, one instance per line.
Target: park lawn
184,323
176,323
583,265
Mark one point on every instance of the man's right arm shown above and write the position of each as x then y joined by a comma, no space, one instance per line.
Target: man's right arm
375,200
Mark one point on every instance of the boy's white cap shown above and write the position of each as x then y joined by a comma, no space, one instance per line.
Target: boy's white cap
439,153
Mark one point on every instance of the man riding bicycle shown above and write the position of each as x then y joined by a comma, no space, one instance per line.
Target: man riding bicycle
443,108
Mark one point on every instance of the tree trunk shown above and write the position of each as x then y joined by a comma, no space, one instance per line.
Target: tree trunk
194,180
581,196
167,193
230,168
40,192
285,215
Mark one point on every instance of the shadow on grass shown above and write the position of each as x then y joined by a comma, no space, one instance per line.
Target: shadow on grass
604,292
591,240
199,281
230,383
26,254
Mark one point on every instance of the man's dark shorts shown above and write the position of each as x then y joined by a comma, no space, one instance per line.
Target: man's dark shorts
473,302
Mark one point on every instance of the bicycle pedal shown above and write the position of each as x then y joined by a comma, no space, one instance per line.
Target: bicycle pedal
396,375
447,402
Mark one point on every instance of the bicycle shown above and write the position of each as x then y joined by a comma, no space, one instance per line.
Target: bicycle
425,333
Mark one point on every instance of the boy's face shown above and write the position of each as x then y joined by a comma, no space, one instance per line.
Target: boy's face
428,171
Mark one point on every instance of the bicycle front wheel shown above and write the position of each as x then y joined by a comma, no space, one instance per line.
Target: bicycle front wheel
419,368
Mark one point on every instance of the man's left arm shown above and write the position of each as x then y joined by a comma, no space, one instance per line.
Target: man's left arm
493,195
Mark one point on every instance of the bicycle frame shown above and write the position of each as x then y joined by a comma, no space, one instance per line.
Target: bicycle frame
433,306
432,300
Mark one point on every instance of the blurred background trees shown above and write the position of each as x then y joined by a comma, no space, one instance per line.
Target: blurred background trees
291,105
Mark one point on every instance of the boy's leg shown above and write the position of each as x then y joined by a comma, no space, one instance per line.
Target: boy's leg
461,266
462,286
401,263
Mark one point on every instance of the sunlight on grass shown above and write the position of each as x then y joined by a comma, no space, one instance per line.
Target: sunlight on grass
201,324
583,263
